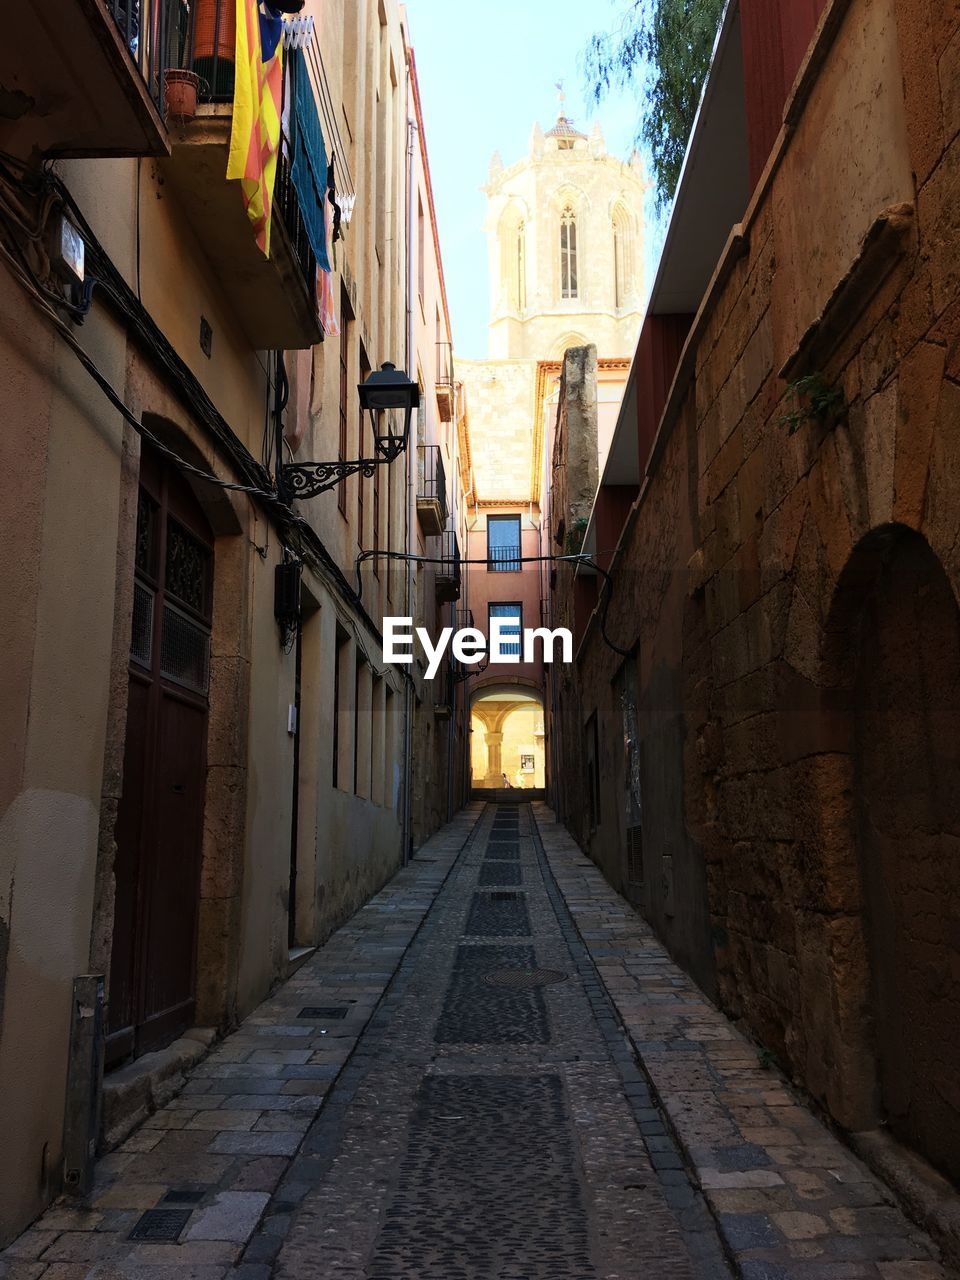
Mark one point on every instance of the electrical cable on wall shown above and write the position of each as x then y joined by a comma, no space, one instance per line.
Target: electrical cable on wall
584,558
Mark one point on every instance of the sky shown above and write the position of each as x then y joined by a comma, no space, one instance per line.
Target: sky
487,73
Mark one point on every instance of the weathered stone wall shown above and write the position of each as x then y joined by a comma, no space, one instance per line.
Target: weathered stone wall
753,558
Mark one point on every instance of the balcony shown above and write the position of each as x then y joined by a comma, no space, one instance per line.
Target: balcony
85,77
431,490
448,571
275,298
445,387
504,560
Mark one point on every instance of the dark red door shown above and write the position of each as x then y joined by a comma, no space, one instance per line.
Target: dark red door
160,818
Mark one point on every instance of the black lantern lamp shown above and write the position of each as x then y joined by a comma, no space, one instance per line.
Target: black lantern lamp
388,398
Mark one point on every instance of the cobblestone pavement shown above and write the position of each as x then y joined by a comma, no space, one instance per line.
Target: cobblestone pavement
791,1201
450,1090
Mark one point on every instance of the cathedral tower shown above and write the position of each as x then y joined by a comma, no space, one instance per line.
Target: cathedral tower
565,233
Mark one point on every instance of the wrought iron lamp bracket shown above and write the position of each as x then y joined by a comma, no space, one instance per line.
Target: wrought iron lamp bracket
307,479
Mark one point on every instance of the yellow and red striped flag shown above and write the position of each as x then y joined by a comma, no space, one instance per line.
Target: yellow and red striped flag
255,131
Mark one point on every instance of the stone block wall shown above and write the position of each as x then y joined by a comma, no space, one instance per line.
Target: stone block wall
790,585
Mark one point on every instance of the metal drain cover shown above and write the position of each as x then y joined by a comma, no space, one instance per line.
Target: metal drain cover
160,1224
524,979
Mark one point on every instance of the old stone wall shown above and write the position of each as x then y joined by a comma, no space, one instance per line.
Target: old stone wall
775,516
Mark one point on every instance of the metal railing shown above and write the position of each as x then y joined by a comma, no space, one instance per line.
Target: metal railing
465,619
156,34
286,206
431,477
504,559
444,364
449,570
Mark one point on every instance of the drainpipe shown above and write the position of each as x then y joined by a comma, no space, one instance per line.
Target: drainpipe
409,593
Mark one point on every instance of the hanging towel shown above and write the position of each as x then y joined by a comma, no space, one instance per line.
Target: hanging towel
255,129
328,311
309,169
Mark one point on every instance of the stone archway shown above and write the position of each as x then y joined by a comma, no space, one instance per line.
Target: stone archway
894,649
507,738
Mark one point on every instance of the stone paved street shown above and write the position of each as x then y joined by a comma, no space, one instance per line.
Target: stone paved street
493,1070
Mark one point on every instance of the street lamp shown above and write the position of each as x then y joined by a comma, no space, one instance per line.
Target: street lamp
388,398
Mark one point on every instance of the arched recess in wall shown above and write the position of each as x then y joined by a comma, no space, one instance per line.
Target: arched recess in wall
507,737
565,343
622,233
887,807
512,235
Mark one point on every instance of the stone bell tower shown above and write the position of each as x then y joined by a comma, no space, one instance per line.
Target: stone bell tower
565,235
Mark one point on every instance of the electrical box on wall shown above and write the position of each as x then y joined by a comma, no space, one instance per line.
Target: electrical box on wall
286,591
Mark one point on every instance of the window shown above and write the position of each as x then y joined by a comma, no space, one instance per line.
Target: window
339,711
503,544
376,522
513,269
521,267
622,267
346,333
361,481
568,254
511,611
421,248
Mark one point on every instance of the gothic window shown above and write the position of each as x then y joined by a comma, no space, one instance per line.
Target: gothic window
521,266
568,254
513,263
622,256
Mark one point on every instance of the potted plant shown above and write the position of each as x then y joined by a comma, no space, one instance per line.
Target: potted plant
181,90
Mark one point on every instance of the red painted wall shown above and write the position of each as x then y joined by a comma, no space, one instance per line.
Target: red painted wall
658,354
775,35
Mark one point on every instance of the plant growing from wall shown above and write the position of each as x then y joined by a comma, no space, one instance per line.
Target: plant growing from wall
811,399
575,536
663,47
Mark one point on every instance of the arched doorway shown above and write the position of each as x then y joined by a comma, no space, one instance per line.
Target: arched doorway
900,627
159,828
507,739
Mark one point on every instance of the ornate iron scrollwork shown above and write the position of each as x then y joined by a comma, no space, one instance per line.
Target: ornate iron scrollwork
307,479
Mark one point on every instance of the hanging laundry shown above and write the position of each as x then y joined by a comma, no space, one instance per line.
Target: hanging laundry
332,197
309,168
255,129
328,310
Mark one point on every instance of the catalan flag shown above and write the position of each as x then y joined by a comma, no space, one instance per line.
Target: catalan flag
255,132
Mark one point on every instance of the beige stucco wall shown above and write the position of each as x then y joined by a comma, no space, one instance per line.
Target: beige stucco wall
65,511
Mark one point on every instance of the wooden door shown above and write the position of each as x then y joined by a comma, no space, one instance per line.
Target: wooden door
160,819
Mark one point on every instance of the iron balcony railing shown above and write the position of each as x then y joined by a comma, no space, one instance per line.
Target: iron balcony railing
504,559
157,36
432,478
448,571
287,207
445,364
465,619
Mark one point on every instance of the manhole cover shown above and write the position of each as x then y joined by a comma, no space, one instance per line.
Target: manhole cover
321,1013
524,979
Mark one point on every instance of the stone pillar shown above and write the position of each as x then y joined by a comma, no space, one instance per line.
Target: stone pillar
493,742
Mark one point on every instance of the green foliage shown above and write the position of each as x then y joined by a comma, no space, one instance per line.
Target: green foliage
811,399
662,47
767,1060
574,540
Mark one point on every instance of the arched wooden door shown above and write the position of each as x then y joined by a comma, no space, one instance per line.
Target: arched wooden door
907,715
160,819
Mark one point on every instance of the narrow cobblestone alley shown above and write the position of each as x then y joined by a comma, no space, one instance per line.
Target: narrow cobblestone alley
450,1090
